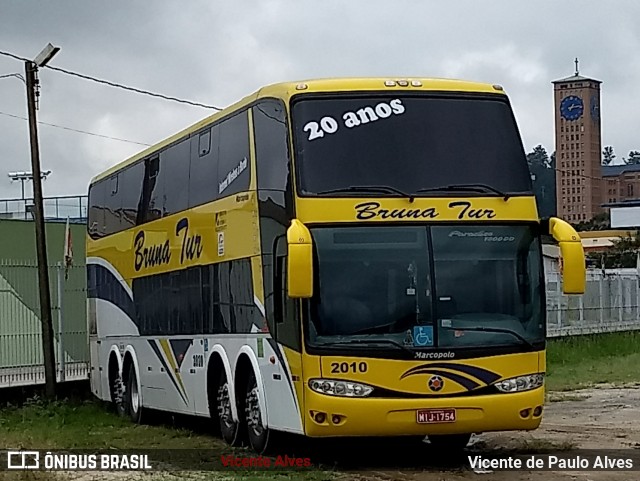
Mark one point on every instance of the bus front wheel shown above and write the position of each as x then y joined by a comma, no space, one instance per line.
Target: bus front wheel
449,442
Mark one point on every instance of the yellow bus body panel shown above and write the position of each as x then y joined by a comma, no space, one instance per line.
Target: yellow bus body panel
396,414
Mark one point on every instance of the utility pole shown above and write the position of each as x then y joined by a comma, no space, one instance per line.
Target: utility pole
33,91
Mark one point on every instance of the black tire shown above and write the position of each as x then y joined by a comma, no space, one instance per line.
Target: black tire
450,443
229,429
133,399
261,439
117,390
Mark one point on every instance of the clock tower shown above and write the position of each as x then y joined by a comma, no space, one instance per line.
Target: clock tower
579,185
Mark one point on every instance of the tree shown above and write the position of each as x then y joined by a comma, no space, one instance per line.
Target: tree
542,169
538,157
623,253
607,155
597,222
634,158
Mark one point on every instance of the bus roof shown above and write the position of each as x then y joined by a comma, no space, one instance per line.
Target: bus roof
286,90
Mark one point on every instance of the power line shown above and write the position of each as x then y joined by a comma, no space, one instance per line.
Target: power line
132,89
16,75
78,131
14,56
117,85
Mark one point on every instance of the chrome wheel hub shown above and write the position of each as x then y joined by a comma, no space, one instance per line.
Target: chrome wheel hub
118,391
252,412
224,405
135,397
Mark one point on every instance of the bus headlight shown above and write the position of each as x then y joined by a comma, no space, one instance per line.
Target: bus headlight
521,383
340,388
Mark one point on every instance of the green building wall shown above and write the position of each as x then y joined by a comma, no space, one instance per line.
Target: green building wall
20,342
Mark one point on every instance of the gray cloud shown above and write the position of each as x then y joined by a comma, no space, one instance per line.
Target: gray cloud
216,52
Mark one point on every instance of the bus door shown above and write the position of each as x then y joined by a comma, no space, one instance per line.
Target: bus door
283,376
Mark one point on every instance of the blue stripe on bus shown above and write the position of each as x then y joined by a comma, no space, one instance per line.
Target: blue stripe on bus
103,284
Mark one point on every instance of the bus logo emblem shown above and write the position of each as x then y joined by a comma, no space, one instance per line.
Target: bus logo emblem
436,383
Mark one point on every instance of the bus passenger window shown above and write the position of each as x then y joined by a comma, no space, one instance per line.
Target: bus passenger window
203,166
204,143
233,164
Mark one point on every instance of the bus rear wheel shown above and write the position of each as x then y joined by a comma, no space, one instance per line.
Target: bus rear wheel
229,429
132,396
117,391
259,435
449,443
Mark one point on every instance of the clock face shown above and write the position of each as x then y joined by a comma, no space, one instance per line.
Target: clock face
571,107
595,108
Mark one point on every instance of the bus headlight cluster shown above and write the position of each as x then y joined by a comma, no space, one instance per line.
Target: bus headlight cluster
340,388
521,383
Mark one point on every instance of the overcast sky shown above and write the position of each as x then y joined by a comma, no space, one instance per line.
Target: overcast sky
216,52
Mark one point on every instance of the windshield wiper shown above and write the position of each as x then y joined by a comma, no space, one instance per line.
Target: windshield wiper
467,187
501,330
372,342
369,189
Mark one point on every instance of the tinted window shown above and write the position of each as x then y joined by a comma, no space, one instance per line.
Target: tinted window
234,305
212,316
408,142
129,190
488,276
149,209
95,222
272,152
203,174
371,280
113,203
241,286
233,165
377,283
225,299
174,174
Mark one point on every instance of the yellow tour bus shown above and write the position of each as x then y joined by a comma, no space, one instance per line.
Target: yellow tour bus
330,258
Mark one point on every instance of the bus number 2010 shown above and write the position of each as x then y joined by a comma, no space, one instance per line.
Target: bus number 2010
344,367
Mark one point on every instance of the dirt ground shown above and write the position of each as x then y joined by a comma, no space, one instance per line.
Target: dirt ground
603,418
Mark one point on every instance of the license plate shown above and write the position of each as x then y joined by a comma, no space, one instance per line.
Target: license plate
430,416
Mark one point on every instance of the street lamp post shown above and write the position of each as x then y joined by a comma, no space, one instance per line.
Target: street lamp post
26,176
33,92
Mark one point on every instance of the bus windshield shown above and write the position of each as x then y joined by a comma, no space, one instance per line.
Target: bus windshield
428,287
408,142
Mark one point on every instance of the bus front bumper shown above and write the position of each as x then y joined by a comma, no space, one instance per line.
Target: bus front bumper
343,416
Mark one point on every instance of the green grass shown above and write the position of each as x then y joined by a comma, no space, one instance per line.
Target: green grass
572,363
582,361
90,425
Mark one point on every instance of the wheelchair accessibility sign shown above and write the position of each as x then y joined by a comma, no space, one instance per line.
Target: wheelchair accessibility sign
422,336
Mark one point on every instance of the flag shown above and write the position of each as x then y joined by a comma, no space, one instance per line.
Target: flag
68,249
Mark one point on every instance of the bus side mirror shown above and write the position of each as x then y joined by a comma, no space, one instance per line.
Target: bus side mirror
573,263
299,261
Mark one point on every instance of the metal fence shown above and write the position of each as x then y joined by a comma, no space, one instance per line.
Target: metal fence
611,303
21,360
73,207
